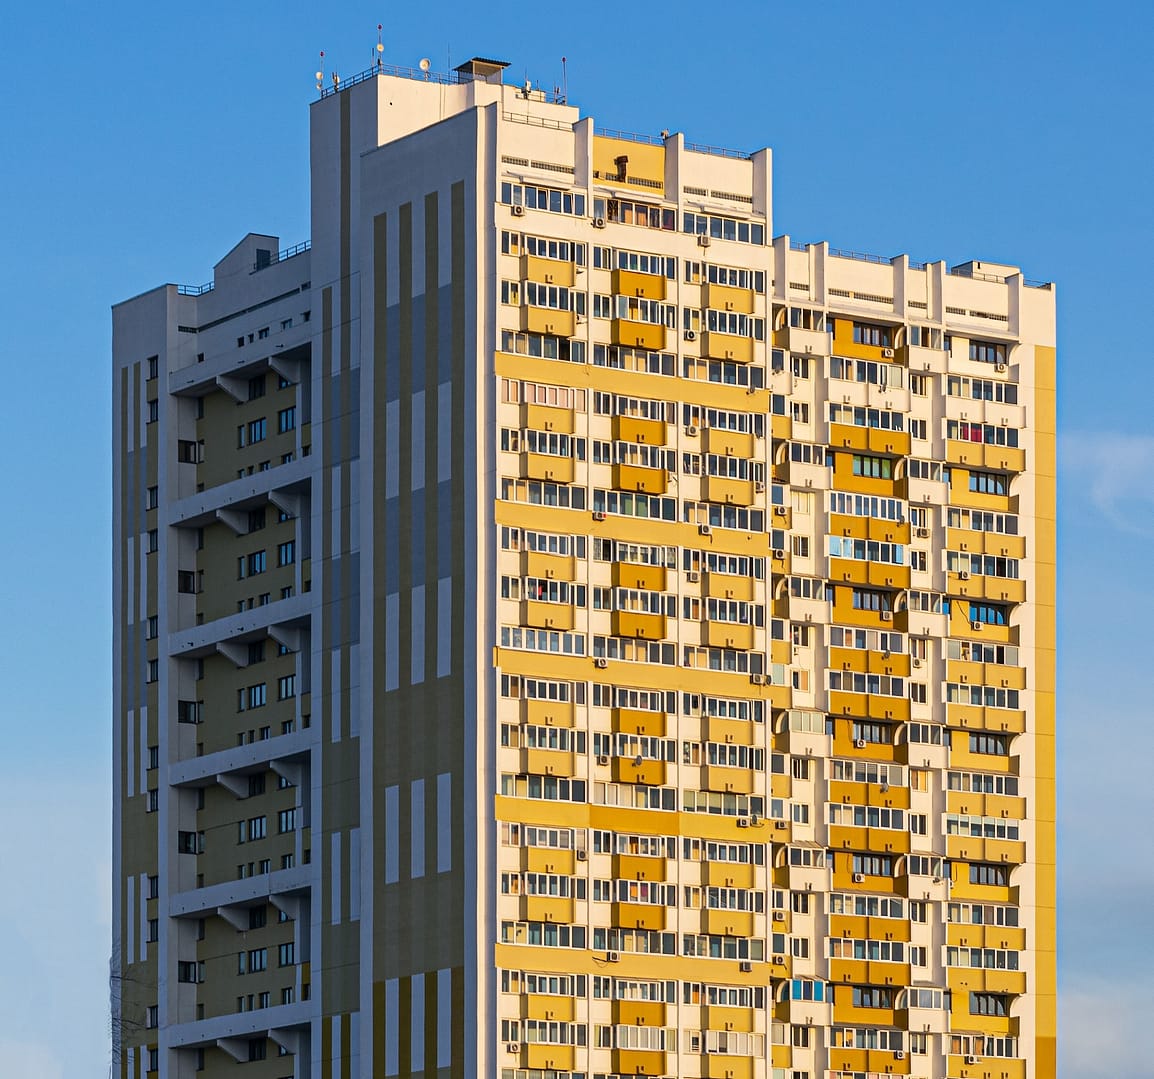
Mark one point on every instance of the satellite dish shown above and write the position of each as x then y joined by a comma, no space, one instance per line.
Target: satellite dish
424,64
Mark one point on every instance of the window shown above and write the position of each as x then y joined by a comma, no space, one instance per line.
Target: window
874,467
252,961
152,1017
286,954
151,498
286,820
256,387
984,873
250,565
286,420
868,333
257,1047
543,198
152,541
153,888
152,364
989,483
190,972
286,687
252,697
153,411
153,934
987,351
286,553
152,671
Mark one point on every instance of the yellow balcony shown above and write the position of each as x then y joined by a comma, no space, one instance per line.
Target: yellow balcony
548,418
729,298
541,466
730,780
654,481
726,1066
718,1018
735,731
727,635
550,566
781,427
638,867
647,335
540,1006
548,860
547,271
728,586
633,283
638,916
638,575
648,773
728,443
649,627
550,1057
1005,459
546,908
728,874
548,762
1002,1067
548,320
735,492
727,346
732,923
637,721
961,935
546,615
638,1062
639,1013
634,429
970,849
964,539
976,717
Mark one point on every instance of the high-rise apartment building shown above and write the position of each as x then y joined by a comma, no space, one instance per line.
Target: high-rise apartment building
563,632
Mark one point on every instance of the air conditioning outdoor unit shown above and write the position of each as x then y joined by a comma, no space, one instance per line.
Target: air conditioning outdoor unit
692,576
887,616
859,878
746,967
779,915
601,663
916,662
743,822
888,353
923,533
963,575
581,855
691,430
598,515
704,530
518,211
513,1047
1000,367
779,511
778,553
598,222
602,758
860,744
611,957
757,679
759,486
703,240
690,335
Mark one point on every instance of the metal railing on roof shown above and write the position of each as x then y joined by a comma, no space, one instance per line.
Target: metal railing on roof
860,256
416,74
287,253
718,151
629,136
195,290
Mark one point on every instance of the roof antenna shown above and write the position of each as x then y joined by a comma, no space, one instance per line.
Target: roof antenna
564,82
321,74
380,47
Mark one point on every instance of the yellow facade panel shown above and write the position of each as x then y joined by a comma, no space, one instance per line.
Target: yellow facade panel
638,867
649,627
728,586
733,492
727,346
727,635
548,762
548,320
632,283
728,874
727,1066
634,429
549,1057
729,298
546,615
646,335
547,908
637,721
547,271
548,418
637,575
550,566
736,731
639,1013
654,481
638,916
541,466
728,443
540,1006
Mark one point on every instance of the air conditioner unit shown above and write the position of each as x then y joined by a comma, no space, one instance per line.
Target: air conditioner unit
778,553
916,662
746,967
704,530
581,855
518,211
600,663
598,515
860,744
963,575
975,625
779,511
923,533
611,957
693,576
598,222
779,960
602,758
690,335
779,825
779,915
757,679
743,822
691,430
899,1055
759,486
513,1047
888,353
859,878
971,1060
887,616
703,240
1000,367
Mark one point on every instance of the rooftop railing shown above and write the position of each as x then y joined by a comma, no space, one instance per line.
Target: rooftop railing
287,253
416,74
195,290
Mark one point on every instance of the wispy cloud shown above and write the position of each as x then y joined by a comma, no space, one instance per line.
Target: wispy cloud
1116,472
1102,1027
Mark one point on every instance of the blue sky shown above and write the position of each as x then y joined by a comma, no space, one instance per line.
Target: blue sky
140,142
